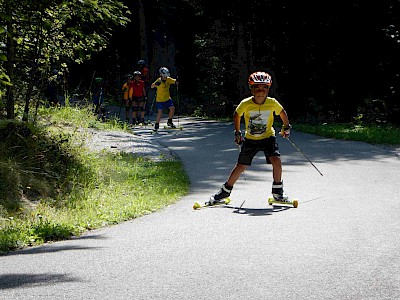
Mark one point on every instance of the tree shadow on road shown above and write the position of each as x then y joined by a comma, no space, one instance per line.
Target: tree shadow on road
55,247
11,281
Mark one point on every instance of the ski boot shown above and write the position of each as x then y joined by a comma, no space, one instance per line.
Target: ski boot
277,192
220,197
170,124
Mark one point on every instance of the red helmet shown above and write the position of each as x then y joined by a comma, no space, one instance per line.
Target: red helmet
260,78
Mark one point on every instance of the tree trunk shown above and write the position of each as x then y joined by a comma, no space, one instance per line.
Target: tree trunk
10,62
27,101
142,32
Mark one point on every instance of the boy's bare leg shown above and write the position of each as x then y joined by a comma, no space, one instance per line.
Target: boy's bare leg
134,112
127,108
171,112
276,168
142,111
133,115
235,174
159,114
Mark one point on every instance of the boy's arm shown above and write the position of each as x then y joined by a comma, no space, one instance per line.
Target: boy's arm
236,122
285,132
144,92
284,118
155,83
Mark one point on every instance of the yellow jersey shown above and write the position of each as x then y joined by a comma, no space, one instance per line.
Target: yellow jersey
127,90
163,93
259,118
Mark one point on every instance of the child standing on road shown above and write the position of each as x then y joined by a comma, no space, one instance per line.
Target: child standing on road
98,98
127,89
163,98
258,111
138,99
144,73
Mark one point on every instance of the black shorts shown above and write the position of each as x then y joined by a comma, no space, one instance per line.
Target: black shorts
138,99
251,147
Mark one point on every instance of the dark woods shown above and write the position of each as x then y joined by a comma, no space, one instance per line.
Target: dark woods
331,61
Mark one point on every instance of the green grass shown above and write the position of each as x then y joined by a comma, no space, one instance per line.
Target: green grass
51,190
374,134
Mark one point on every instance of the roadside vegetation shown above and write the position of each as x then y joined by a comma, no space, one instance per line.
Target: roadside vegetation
370,133
50,189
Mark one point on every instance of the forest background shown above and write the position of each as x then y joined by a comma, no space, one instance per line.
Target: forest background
331,61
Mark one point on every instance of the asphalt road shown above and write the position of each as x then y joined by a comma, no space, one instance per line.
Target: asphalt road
342,242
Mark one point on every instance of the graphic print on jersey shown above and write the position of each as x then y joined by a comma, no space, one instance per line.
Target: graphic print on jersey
258,122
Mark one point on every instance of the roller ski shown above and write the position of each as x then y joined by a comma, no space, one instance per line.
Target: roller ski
155,129
294,202
211,203
171,125
279,197
222,197
174,128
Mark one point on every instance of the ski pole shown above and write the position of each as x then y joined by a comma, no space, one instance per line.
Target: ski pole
151,108
177,97
240,150
121,102
299,150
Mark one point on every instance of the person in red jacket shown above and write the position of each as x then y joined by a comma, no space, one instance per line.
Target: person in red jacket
139,98
144,72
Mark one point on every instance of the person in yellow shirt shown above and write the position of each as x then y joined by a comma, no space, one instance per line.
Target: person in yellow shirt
258,112
163,97
127,89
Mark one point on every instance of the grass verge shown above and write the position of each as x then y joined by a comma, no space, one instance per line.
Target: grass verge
51,190
373,134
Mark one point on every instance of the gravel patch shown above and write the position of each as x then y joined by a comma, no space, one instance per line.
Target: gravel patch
117,141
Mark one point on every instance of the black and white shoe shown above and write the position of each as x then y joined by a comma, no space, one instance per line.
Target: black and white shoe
222,194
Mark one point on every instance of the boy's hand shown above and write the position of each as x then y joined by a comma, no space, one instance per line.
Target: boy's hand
285,132
238,138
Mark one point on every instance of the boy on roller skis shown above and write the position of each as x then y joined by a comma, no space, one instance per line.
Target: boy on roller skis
163,98
258,111
138,99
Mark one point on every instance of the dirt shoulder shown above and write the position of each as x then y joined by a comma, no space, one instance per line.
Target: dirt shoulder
118,141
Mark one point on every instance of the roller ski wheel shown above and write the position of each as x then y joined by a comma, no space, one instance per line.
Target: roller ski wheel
197,205
294,202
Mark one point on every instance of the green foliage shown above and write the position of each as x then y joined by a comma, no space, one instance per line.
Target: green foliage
32,163
50,189
47,35
374,134
4,78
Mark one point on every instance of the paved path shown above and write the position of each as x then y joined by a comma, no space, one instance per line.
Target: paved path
342,242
